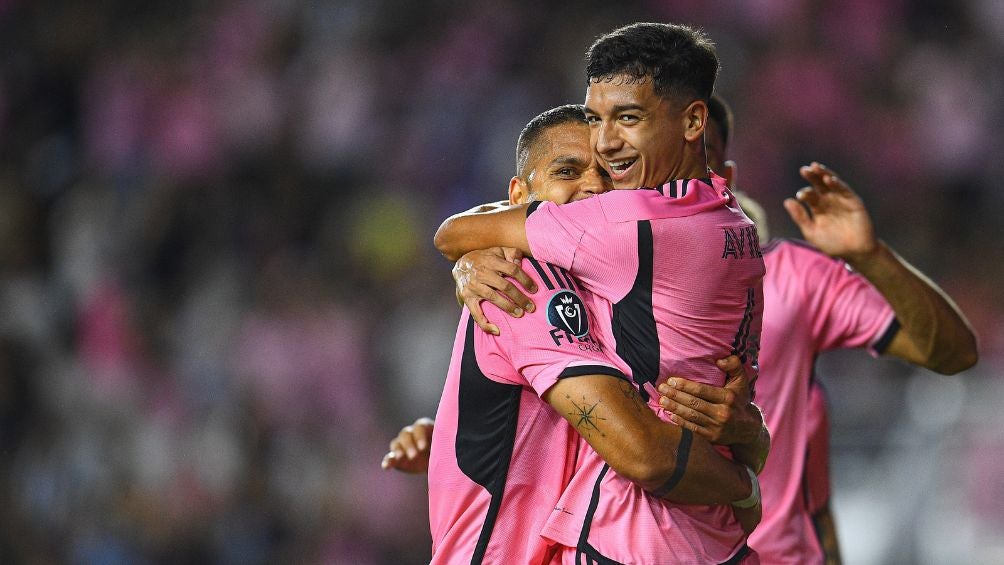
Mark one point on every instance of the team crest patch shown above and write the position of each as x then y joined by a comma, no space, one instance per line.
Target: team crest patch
566,311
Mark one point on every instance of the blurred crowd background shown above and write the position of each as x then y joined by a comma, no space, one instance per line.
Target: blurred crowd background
219,299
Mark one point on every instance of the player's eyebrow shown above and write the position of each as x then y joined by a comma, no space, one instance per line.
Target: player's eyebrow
617,109
566,160
625,107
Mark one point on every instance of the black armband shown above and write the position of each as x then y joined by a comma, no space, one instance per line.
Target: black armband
682,454
883,342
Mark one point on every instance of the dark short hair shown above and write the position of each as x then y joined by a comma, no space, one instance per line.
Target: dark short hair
720,113
681,60
569,113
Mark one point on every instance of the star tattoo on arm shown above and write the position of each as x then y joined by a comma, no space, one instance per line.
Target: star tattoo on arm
588,419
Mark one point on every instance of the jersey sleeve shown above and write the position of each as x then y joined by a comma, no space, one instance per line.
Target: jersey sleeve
531,351
845,309
579,238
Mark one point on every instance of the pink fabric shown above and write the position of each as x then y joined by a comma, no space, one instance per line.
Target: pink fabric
699,301
631,526
570,556
813,303
699,297
817,459
530,355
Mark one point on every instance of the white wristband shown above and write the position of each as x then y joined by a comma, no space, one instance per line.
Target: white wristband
754,498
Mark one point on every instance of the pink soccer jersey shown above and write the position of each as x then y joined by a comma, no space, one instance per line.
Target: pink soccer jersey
817,456
501,456
813,303
679,271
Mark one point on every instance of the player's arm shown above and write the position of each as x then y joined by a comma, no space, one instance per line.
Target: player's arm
722,415
488,274
482,208
933,331
666,460
826,531
503,226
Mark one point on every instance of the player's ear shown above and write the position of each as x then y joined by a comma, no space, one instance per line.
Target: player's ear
519,192
695,118
729,173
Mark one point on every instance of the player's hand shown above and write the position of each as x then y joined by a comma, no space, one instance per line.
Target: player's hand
748,518
482,275
409,451
722,415
831,216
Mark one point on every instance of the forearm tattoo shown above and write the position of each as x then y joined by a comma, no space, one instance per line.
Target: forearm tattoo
630,392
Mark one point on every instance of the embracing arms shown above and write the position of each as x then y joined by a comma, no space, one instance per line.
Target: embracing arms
481,228
610,415
662,458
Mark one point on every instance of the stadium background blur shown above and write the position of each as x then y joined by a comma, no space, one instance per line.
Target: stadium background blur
219,294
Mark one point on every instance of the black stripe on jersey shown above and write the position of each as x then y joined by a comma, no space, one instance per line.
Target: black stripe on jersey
683,188
672,189
580,370
487,413
557,276
634,321
590,556
540,271
594,502
739,556
883,343
568,279
583,549
533,206
806,496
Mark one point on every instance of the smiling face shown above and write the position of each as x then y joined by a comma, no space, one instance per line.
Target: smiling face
641,138
561,168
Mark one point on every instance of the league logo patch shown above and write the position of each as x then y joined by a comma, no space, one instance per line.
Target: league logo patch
566,311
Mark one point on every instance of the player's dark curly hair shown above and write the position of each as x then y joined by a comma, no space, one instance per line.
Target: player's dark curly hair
680,60
569,113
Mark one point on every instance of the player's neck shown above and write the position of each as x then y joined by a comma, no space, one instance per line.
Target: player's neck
693,166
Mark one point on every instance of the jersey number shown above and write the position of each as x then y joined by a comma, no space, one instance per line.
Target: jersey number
744,345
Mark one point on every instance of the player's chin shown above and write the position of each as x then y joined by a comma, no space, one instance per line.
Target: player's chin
627,181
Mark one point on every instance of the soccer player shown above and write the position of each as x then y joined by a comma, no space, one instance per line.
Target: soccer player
845,289
678,266
817,475
504,451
